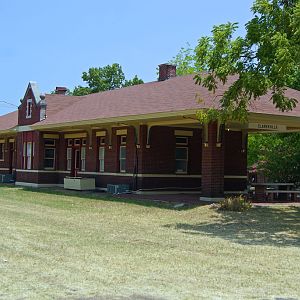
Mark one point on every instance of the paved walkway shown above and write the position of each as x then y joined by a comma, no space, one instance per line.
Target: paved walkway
191,199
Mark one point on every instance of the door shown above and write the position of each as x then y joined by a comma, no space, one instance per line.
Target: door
77,161
11,157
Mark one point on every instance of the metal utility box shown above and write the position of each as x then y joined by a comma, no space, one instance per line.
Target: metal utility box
79,183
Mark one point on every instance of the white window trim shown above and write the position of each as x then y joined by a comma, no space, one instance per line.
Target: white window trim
83,158
2,146
121,159
29,157
54,159
69,159
180,159
101,159
28,116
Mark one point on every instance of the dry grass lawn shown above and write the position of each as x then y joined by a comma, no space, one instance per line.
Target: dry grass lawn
67,245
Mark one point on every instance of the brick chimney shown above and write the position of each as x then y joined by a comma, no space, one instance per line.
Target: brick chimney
61,90
166,71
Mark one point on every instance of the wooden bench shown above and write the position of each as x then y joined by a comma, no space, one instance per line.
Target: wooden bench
292,193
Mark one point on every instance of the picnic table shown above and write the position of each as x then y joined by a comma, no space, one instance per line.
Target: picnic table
282,190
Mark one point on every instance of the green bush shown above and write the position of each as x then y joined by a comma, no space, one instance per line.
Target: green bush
235,203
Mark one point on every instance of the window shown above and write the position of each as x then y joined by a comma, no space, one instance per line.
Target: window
50,142
122,158
84,142
123,139
77,142
70,143
49,160
29,156
83,152
181,154
69,159
1,151
101,159
180,140
28,108
49,155
24,155
181,157
102,140
122,154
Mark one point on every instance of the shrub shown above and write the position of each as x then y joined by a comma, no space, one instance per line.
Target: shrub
235,203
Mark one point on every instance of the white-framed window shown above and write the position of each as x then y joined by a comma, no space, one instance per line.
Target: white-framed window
49,158
122,158
181,159
70,143
29,108
83,142
69,159
49,154
122,153
24,155
2,151
101,158
29,155
83,155
102,140
123,139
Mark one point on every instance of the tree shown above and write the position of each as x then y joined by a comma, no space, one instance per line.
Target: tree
109,77
267,58
277,155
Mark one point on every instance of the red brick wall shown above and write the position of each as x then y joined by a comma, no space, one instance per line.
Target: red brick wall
235,162
35,116
5,164
160,157
212,165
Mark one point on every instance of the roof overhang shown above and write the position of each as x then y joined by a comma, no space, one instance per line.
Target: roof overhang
177,118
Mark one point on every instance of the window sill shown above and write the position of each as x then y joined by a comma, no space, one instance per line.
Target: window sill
181,173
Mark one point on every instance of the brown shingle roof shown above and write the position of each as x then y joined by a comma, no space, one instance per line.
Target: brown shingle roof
9,121
175,94
172,95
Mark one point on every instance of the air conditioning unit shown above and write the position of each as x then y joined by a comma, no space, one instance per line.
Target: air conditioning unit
6,178
117,188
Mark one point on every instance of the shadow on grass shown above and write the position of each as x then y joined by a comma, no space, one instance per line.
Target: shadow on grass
274,226
103,196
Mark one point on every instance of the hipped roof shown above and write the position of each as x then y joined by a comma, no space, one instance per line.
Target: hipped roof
173,95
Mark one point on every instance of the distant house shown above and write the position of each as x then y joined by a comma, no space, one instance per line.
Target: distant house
146,136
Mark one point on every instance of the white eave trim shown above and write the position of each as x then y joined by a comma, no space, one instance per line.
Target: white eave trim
128,118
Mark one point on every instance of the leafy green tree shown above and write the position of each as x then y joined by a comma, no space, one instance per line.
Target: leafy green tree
134,81
267,58
109,77
277,155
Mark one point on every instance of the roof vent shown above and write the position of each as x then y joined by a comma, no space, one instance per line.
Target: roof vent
61,90
166,71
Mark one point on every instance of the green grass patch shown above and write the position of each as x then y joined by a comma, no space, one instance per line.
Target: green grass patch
63,244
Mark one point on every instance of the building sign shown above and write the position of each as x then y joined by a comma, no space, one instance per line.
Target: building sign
267,127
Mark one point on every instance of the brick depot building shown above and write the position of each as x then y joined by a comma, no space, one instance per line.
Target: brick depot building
146,136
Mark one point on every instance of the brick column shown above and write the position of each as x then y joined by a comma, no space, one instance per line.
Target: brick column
212,164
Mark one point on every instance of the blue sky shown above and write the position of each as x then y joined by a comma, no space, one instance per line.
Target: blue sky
53,42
